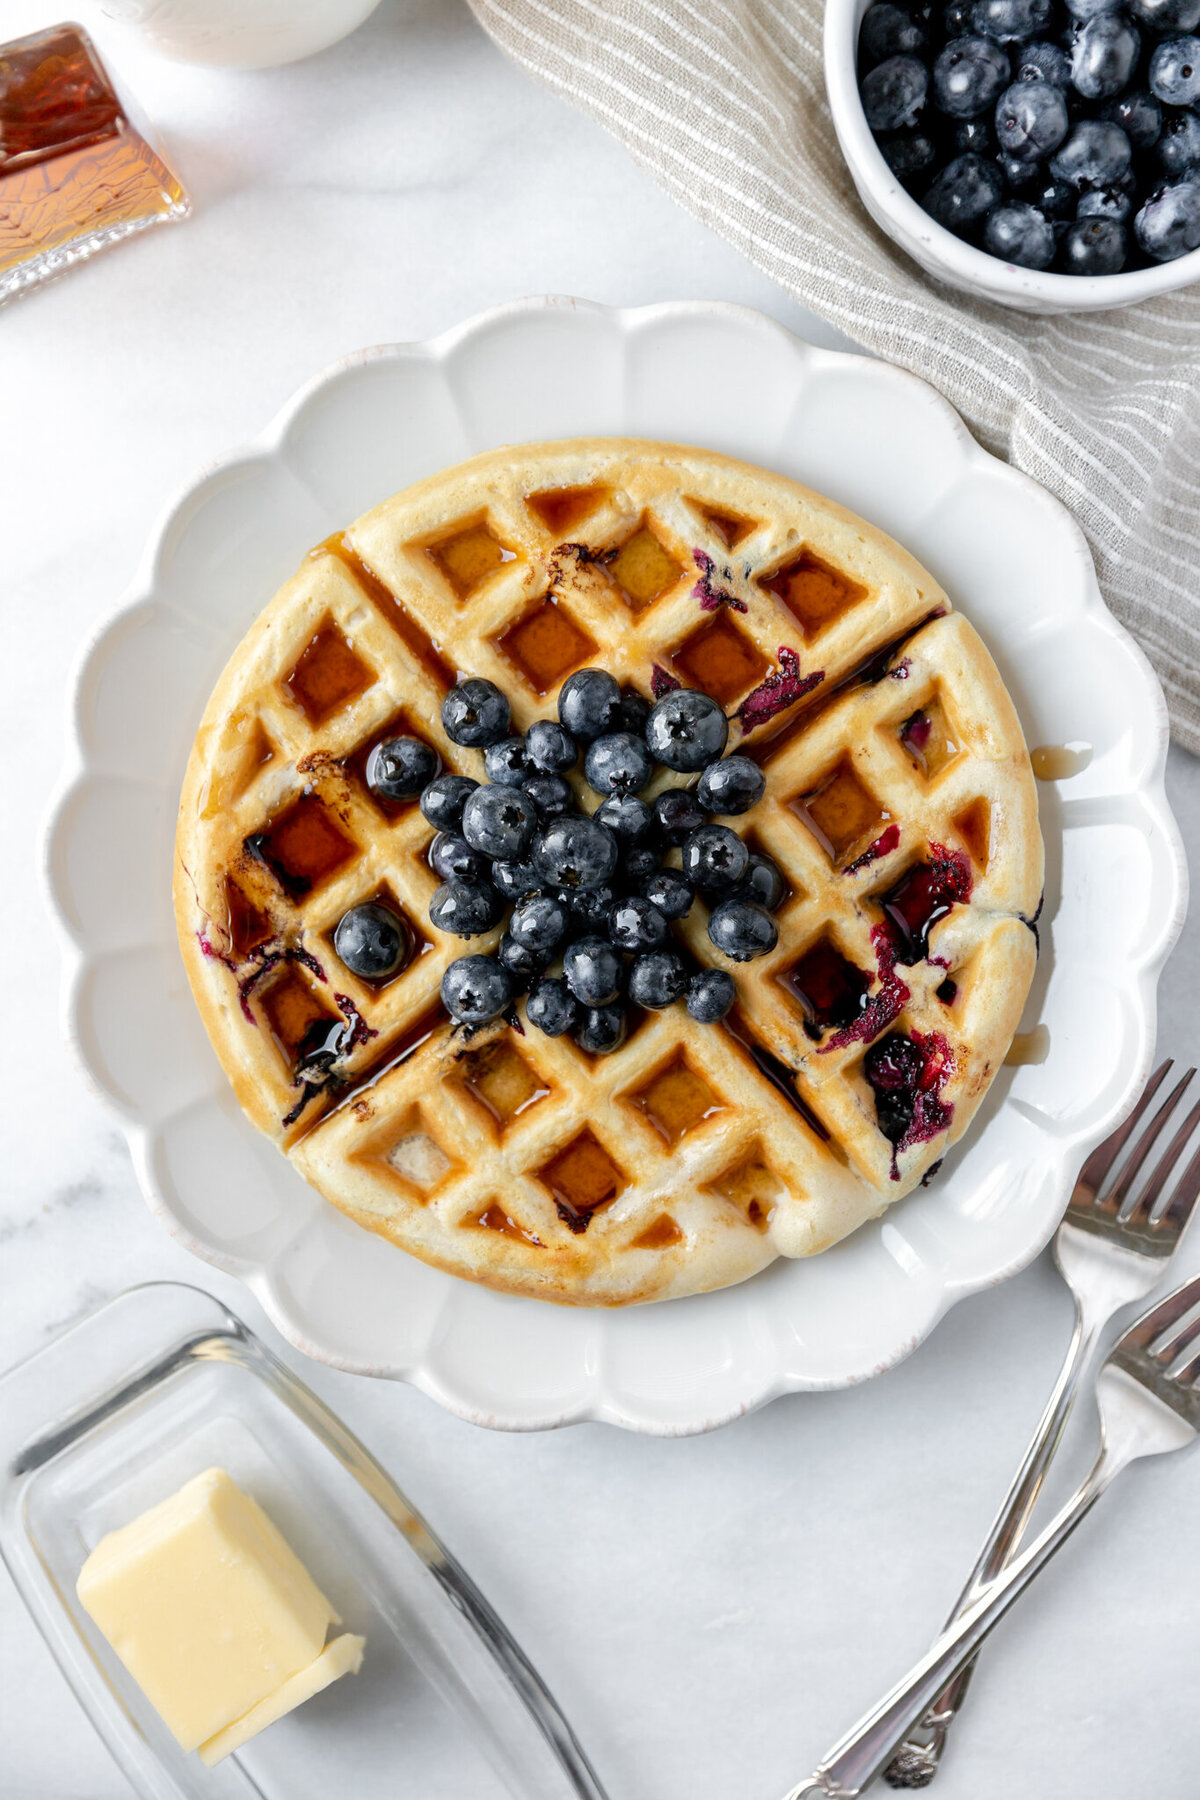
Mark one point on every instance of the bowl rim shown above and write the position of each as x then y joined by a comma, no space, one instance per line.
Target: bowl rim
987,275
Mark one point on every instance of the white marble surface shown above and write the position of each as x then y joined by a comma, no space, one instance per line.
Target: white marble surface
711,1612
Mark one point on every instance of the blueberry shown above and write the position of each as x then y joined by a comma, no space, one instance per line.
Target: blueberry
711,993
686,730
1044,62
1178,149
475,989
590,906
894,1065
1096,154
1011,21
909,155
443,800
575,853
593,970
1175,71
452,859
325,1041
372,941
669,892
762,883
638,861
1031,120
635,710
589,704
550,1006
617,763
401,767
630,820
956,18
506,762
1168,225
975,135
894,1068
964,191
500,821
601,1030
889,30
475,713
1093,247
513,879
552,795
522,963
678,813
733,785
1103,56
1019,177
636,924
1083,10
1055,200
894,93
968,76
1166,15
657,978
1020,234
539,921
715,858
465,908
1104,203
549,747
1139,115
741,930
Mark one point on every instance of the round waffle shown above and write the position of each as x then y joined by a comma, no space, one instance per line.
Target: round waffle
899,804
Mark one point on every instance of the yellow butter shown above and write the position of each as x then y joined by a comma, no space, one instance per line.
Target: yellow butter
341,1657
207,1606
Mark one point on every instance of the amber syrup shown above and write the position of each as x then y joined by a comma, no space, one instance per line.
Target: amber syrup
75,172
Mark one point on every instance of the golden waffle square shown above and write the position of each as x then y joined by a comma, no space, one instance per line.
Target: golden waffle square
899,805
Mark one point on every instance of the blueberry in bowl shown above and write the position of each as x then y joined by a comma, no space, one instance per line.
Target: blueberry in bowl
1050,158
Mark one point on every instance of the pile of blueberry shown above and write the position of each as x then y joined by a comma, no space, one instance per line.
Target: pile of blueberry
593,891
1058,134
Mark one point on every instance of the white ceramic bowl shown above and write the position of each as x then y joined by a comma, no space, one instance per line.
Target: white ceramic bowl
240,34
937,250
876,439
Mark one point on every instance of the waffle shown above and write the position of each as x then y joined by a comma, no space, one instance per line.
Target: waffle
695,1154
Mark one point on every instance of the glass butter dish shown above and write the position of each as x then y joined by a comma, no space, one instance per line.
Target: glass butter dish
164,1382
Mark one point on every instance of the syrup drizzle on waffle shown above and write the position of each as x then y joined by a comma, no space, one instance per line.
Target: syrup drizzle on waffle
694,1154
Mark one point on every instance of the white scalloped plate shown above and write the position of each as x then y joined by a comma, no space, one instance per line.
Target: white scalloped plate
871,436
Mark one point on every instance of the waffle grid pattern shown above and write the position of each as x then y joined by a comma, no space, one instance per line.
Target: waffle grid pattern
445,1146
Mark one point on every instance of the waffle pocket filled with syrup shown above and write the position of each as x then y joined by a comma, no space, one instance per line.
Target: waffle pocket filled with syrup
899,807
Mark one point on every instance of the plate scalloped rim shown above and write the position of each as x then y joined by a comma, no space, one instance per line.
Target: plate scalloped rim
713,1357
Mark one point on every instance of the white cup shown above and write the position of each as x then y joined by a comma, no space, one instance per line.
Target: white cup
239,34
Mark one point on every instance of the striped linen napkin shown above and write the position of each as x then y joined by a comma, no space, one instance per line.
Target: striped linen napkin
724,102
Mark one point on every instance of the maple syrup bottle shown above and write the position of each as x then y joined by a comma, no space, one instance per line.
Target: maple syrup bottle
75,173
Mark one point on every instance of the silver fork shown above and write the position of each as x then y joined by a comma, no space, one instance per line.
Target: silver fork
1110,1251
1148,1391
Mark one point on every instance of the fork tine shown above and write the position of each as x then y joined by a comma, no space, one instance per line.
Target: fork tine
1105,1155
1177,1342
1184,1194
1148,1198
1187,1375
1161,1318
1141,1150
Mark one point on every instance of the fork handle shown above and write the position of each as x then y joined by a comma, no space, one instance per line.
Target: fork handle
918,1757
854,1762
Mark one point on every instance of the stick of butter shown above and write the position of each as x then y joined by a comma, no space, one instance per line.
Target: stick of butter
343,1656
214,1615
